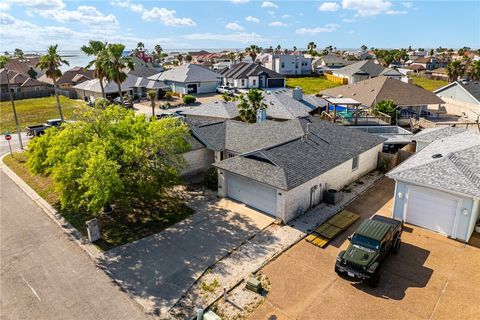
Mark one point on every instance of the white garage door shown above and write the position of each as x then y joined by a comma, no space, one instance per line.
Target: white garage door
252,193
431,211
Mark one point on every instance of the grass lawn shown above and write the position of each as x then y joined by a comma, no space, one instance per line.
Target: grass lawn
122,225
35,111
311,85
428,84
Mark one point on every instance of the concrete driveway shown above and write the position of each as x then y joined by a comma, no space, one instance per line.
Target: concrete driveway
159,269
431,278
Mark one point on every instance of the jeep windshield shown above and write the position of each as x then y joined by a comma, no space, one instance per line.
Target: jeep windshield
365,242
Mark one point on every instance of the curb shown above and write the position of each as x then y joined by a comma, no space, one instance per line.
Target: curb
53,214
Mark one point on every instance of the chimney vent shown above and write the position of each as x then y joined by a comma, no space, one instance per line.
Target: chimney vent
297,94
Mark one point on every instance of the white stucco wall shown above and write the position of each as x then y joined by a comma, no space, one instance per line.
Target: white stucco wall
198,161
457,107
289,202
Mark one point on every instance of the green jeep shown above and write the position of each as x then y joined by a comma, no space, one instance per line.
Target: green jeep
369,245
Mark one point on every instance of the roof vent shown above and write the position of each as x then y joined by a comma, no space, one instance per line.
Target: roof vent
437,156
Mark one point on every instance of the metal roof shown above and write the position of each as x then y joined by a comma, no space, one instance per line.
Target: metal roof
343,101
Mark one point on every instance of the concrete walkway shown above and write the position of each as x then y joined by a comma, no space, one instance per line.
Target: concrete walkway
159,269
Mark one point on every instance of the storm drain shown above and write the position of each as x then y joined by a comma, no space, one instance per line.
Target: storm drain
331,228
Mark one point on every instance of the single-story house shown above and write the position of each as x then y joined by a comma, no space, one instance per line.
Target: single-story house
364,70
284,168
70,77
330,61
429,135
461,98
440,74
143,85
438,188
405,95
282,104
90,90
191,79
19,82
251,75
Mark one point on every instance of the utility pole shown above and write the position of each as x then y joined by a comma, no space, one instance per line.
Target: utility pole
14,110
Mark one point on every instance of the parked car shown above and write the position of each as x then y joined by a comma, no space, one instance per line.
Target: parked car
38,130
127,104
226,89
369,245
176,114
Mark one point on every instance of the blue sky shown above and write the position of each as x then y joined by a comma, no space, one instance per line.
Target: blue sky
35,24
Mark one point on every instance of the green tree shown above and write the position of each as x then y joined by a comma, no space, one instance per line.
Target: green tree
32,73
240,56
249,104
50,63
98,50
294,48
116,66
179,58
157,55
253,51
388,107
152,95
364,48
18,53
311,46
110,156
474,70
455,69
3,63
188,58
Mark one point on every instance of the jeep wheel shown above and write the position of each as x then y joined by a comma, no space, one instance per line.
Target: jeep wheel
396,246
373,281
336,270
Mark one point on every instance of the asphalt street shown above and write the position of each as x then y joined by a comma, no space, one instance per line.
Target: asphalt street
44,274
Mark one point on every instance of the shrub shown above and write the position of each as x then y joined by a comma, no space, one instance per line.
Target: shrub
188,99
210,179
168,95
161,94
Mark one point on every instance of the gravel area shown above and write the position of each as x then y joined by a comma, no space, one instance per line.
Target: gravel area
256,252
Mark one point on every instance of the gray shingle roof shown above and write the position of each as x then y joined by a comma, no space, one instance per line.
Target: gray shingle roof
298,160
244,70
457,169
216,109
362,67
432,134
472,87
190,73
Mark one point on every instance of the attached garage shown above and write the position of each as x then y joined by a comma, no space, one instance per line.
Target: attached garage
436,211
275,83
254,194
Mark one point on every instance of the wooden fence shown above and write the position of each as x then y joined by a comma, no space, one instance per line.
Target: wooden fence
38,94
336,79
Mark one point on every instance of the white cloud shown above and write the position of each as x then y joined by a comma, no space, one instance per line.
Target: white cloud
39,4
329,6
271,12
407,4
367,8
234,26
285,16
4,6
312,31
348,20
239,37
269,4
239,1
252,19
392,12
137,7
351,32
85,14
277,24
166,17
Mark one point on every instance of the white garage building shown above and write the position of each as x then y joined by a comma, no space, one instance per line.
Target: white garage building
439,187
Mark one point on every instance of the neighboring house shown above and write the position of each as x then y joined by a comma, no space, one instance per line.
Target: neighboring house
370,92
429,135
287,64
27,65
412,69
361,70
19,82
70,78
282,104
330,61
438,188
429,63
284,168
90,90
440,74
461,98
143,85
251,75
143,69
191,79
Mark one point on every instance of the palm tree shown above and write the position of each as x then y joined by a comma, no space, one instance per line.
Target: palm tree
188,58
279,48
140,46
50,63
152,95
474,71
117,64
253,51
232,56
311,46
98,49
3,63
179,58
364,48
294,48
249,104
240,56
454,70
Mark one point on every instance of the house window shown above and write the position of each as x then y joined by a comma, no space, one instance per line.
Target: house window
243,82
283,64
254,82
230,155
355,163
